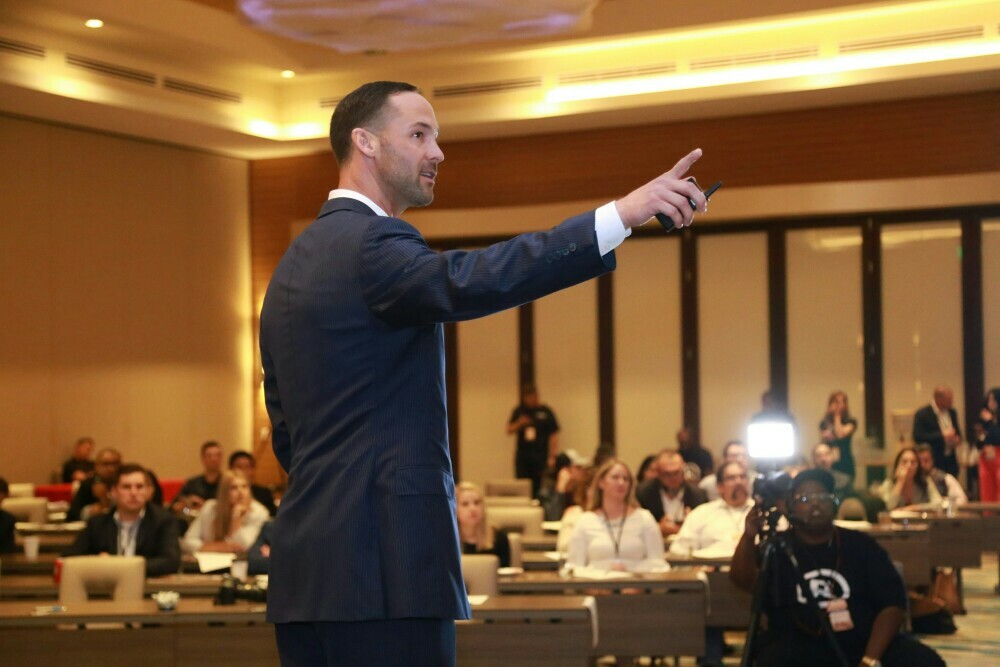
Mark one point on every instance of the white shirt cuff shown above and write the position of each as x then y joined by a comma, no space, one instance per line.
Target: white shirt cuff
609,228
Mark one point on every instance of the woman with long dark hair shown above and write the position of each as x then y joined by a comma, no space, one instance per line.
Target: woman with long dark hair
908,484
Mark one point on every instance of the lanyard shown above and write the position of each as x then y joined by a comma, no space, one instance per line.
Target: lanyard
616,541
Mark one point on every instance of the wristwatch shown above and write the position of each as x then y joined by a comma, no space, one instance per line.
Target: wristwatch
871,662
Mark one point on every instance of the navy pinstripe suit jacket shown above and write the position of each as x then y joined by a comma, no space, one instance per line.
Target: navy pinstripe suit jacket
352,347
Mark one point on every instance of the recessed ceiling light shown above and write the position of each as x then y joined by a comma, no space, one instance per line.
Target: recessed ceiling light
287,74
94,23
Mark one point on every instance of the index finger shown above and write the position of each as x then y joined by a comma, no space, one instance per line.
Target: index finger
684,164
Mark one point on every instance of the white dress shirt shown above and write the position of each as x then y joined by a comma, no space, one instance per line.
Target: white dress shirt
713,525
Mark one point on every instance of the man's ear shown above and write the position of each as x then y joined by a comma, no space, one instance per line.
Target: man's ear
364,141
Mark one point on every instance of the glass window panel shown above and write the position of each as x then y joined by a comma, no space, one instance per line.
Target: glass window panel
734,359
825,329
991,302
921,315
648,383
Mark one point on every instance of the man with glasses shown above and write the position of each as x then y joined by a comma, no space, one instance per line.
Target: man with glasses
716,527
668,497
93,495
852,578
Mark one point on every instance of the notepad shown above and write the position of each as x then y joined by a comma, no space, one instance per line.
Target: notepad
210,562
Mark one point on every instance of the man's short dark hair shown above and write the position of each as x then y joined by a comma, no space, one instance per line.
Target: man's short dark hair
240,454
208,445
720,473
813,475
731,443
360,108
128,469
923,447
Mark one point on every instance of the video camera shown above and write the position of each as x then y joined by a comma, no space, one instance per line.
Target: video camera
769,444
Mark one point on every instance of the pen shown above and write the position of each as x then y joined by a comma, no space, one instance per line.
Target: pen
668,224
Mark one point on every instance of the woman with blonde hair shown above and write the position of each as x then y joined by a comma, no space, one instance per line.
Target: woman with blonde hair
474,530
615,533
230,523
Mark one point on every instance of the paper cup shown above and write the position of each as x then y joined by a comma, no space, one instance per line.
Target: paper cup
239,569
31,544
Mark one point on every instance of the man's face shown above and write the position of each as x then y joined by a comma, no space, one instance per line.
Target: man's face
408,154
733,485
530,399
211,459
131,492
670,472
926,460
823,457
683,438
107,465
737,454
944,399
812,505
244,466
83,450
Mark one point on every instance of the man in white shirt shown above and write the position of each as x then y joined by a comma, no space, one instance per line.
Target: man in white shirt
946,483
717,525
937,425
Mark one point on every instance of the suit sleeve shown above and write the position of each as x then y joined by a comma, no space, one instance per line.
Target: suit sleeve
168,550
82,545
406,283
281,442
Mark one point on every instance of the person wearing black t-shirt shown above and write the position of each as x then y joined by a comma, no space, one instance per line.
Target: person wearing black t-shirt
851,577
537,437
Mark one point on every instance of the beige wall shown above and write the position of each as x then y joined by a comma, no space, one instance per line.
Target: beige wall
125,289
991,302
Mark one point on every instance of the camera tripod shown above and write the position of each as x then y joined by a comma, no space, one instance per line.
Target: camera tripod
773,540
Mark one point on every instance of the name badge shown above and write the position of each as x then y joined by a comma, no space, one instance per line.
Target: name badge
529,433
840,617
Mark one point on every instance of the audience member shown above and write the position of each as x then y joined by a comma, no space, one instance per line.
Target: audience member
773,409
734,450
823,459
93,495
570,469
245,463
647,469
474,530
667,496
581,499
717,526
201,488
844,568
136,527
937,425
947,486
615,533
8,542
229,523
259,554
836,429
908,484
989,446
79,467
537,437
692,451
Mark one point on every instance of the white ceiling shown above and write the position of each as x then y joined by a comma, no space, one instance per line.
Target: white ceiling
195,73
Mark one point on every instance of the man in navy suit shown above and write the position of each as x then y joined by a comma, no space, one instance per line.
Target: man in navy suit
365,562
937,425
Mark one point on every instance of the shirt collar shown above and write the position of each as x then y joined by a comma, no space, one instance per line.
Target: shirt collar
142,513
351,194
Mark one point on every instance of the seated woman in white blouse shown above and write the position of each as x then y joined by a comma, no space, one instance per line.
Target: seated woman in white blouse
230,523
615,533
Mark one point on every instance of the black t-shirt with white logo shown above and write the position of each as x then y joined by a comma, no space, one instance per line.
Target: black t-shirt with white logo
853,567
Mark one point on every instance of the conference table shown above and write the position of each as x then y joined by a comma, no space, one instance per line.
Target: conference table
504,630
633,610
44,587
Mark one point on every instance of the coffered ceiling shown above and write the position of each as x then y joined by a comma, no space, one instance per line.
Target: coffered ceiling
199,73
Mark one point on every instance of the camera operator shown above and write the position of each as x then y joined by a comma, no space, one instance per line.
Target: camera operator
849,574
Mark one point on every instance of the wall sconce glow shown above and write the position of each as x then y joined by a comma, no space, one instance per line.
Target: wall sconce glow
263,128
305,131
820,67
94,23
288,74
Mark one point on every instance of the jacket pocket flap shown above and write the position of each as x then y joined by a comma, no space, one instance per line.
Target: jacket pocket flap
424,481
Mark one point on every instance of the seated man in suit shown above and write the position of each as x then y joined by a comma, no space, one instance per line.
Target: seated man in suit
937,425
668,497
203,487
79,466
134,528
92,496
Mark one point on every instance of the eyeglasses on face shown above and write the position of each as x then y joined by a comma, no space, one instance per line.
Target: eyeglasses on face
805,498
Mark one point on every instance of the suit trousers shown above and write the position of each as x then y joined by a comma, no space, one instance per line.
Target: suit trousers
402,642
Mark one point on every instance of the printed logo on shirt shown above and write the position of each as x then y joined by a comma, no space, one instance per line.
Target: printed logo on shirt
826,585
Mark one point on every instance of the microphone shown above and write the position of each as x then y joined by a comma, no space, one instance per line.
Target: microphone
668,224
